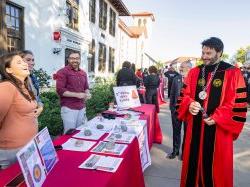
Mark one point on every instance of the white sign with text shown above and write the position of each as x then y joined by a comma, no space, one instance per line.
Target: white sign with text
126,97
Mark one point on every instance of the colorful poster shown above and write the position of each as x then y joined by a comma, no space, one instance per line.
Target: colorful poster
31,165
126,97
37,159
46,149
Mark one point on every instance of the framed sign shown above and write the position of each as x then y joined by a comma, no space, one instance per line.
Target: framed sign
126,97
37,159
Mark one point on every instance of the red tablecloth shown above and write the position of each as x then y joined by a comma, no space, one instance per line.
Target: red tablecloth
153,123
160,95
67,173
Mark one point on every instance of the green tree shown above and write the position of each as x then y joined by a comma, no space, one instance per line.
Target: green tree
159,65
43,77
198,62
241,54
225,57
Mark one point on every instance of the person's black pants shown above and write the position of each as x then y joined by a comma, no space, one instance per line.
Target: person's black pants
169,88
176,125
151,96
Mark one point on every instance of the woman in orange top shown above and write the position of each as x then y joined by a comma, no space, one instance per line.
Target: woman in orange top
18,124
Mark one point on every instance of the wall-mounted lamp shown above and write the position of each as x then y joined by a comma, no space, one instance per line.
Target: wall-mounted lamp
57,50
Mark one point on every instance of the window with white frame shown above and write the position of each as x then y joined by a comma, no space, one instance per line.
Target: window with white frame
102,57
111,60
112,22
102,14
92,9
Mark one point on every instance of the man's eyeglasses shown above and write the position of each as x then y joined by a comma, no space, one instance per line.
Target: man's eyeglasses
74,58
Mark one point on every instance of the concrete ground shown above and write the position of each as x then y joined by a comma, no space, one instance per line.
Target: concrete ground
166,173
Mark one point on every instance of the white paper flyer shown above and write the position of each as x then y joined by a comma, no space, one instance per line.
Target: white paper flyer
103,163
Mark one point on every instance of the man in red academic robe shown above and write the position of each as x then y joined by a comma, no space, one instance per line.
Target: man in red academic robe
213,103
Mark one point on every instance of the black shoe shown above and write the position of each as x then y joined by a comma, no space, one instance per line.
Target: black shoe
173,155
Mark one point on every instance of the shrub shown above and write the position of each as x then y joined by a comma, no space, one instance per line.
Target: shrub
43,77
51,116
102,95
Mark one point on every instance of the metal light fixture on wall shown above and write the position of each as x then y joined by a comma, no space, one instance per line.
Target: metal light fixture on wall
57,50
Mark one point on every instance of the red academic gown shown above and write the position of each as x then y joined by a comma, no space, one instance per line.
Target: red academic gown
208,151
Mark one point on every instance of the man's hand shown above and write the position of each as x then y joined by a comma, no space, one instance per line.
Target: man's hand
194,108
38,111
209,121
81,95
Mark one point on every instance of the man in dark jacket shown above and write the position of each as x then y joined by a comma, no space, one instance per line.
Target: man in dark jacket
174,94
126,76
151,83
170,74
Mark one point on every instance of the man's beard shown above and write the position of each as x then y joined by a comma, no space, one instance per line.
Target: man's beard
211,60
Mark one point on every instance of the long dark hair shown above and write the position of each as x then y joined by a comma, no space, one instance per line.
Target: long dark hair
5,62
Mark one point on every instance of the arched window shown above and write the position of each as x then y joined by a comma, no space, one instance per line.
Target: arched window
144,22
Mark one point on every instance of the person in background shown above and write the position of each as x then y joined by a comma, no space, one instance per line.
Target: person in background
151,83
125,76
73,90
174,94
145,73
133,67
18,108
170,74
139,74
28,58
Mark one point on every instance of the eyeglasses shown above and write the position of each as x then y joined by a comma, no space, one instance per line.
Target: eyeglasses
74,58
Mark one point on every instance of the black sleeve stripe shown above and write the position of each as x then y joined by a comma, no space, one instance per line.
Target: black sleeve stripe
181,94
241,100
241,90
178,101
239,119
184,86
177,107
239,109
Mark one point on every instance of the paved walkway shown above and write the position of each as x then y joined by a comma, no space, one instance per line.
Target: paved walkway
166,173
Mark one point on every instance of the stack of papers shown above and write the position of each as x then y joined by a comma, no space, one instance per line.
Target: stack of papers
125,138
101,148
78,145
104,163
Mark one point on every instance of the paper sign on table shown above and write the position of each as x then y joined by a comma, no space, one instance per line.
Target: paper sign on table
125,138
101,147
95,134
37,159
31,165
103,163
46,149
98,120
126,96
77,145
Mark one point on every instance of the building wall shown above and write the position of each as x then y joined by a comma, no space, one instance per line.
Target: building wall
126,48
109,40
41,19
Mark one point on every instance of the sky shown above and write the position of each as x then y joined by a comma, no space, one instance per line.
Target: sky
182,25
